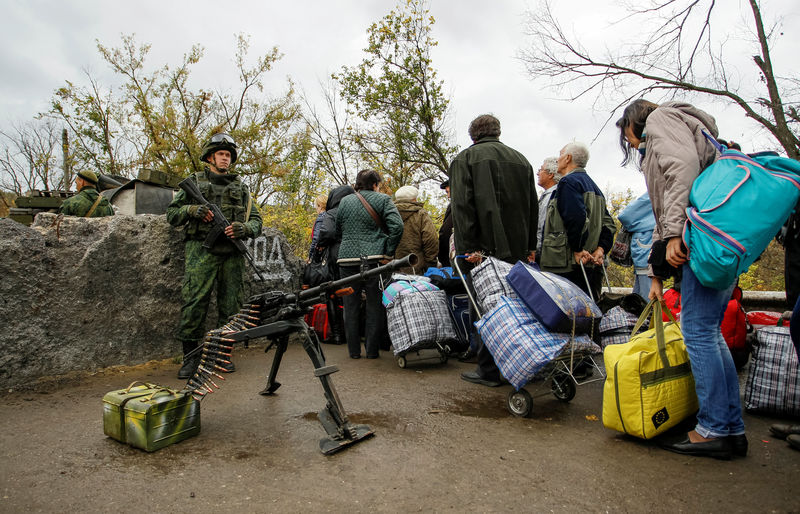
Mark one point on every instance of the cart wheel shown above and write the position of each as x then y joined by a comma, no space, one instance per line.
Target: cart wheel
401,361
563,387
444,354
520,403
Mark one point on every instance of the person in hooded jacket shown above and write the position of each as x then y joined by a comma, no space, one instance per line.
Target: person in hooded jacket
419,233
637,218
326,238
674,150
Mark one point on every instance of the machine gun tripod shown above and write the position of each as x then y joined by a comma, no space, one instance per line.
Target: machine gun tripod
277,315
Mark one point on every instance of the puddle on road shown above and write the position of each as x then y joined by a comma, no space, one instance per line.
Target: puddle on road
487,408
373,419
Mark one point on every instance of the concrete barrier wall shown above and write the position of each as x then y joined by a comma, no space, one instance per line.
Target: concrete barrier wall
83,294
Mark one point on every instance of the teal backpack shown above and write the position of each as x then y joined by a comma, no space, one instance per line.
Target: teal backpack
737,205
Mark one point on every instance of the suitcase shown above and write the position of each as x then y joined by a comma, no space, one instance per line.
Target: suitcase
555,301
489,282
458,305
151,417
773,384
420,320
317,319
521,345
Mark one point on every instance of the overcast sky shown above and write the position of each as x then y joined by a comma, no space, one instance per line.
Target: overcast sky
48,42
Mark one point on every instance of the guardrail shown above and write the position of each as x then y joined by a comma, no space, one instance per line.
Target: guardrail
751,300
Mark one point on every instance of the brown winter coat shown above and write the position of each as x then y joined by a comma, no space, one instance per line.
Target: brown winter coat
419,237
676,152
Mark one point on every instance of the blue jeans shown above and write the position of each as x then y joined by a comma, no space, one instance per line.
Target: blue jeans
641,282
715,379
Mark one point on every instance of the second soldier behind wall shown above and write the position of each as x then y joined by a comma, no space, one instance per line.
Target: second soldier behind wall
88,203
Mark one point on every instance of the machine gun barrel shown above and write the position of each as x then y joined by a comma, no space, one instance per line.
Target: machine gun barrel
219,222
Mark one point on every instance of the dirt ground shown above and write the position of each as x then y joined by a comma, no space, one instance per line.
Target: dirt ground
440,444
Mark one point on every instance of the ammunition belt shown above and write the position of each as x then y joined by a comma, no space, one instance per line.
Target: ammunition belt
217,349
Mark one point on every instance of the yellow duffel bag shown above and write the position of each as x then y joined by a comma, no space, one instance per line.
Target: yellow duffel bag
649,385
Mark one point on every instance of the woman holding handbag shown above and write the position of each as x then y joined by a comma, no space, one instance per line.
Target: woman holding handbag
369,228
674,151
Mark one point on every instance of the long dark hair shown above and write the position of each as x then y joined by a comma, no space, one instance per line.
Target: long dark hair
366,179
634,116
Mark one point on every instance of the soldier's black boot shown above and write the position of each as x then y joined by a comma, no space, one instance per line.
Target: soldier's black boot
191,358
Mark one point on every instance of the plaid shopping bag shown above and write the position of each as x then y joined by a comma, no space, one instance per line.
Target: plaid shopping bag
520,344
489,281
773,384
402,287
419,319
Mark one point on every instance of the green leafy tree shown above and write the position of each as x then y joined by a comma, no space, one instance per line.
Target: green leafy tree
402,128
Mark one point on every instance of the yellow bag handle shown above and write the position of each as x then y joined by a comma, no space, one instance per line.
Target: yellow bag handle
657,323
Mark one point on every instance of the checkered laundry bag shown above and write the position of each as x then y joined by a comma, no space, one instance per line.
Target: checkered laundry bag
773,384
420,319
520,344
401,287
489,281
616,326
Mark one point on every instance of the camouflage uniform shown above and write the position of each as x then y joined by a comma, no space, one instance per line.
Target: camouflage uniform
222,263
81,203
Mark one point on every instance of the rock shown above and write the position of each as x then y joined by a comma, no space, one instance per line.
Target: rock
82,294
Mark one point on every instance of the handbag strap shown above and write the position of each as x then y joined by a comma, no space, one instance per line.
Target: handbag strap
371,211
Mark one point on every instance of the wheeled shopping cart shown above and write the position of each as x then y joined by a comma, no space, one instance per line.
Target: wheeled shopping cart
573,366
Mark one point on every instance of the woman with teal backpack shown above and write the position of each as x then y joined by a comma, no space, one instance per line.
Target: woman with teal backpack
674,150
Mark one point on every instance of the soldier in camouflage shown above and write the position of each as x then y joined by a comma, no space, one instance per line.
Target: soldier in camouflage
222,263
88,203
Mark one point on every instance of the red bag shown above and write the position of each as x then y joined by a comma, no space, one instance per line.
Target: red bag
317,319
672,301
761,319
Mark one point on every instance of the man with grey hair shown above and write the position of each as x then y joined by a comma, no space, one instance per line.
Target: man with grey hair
495,213
578,228
548,177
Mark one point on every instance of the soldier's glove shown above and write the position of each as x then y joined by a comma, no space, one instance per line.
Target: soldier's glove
239,230
198,211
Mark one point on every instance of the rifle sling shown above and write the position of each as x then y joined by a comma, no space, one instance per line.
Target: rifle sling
371,211
94,206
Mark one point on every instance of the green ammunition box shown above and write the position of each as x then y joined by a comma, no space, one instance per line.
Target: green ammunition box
161,418
160,178
114,408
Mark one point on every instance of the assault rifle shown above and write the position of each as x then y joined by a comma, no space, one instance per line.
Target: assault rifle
218,223
281,314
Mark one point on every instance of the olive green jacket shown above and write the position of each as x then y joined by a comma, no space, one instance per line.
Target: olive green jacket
81,204
419,237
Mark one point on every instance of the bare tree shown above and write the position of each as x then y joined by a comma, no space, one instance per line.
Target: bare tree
677,51
334,151
29,157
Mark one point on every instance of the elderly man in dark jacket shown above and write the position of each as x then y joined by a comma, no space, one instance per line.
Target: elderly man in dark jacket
495,211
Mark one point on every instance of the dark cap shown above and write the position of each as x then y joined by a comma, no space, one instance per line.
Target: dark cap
445,184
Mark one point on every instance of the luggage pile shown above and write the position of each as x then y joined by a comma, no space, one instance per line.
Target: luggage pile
535,325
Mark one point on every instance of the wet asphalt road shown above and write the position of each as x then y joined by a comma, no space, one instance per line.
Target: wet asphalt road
440,444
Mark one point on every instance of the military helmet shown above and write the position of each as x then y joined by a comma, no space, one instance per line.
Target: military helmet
220,141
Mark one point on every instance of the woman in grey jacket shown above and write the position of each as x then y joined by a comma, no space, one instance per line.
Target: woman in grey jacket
674,151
